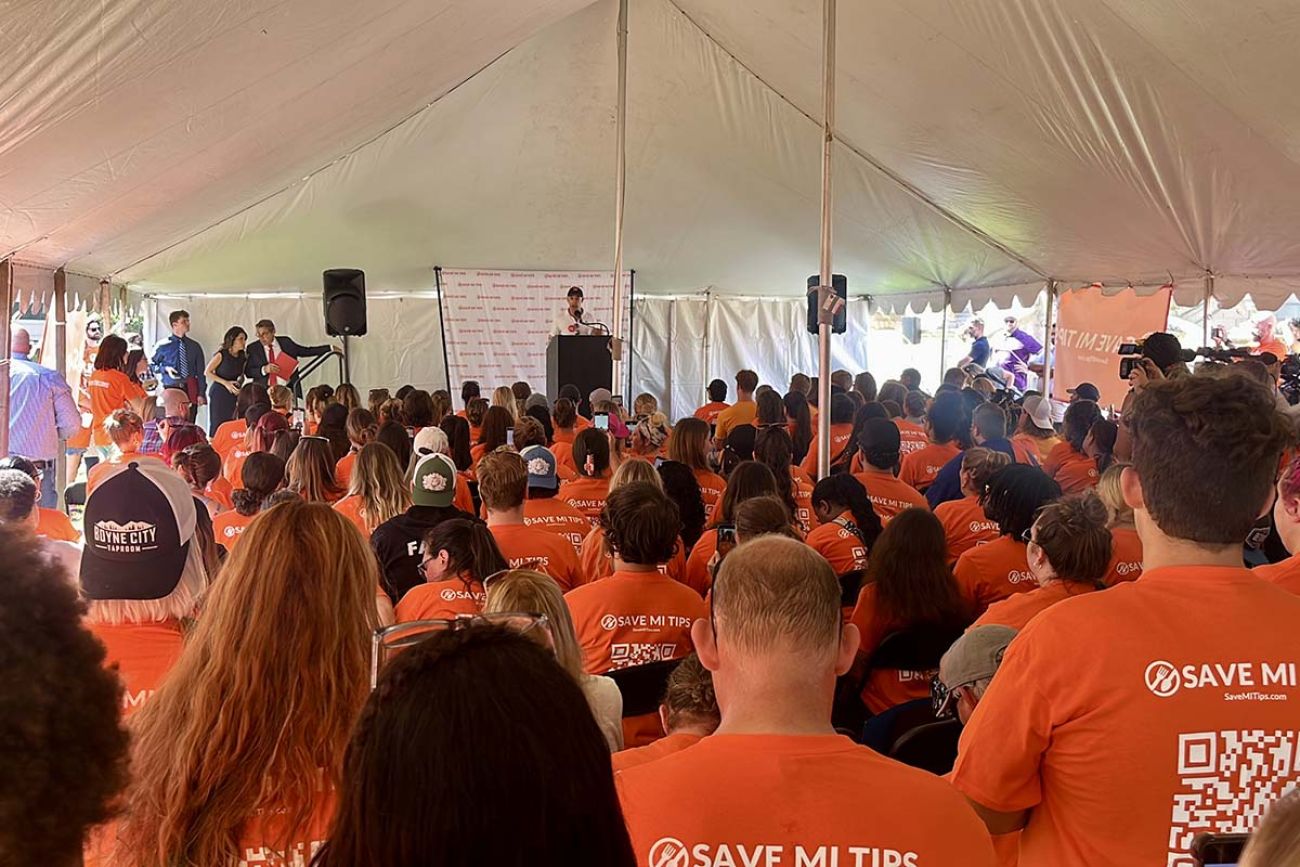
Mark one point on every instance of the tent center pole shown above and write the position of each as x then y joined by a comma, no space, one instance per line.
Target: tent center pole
1205,308
620,186
1049,350
943,335
825,321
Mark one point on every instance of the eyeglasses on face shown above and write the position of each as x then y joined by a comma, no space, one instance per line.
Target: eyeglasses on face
391,640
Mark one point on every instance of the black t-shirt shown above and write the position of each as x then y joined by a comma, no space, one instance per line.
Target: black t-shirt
397,541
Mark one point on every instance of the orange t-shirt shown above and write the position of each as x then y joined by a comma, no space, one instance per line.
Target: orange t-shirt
742,412
556,516
96,474
665,746
464,499
350,508
992,572
712,487
1040,448
229,526
840,436
1016,611
965,525
441,600
263,841
697,575
1275,346
109,390
1183,723
143,654
560,435
1285,574
343,470
585,494
1074,472
632,618
890,495
229,434
1126,556
840,805
53,524
533,548
564,457
710,411
803,510
219,490
920,468
912,437
596,564
885,687
233,465
840,544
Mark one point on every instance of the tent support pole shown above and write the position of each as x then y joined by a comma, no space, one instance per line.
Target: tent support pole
1049,351
61,365
943,335
620,187
825,321
7,298
1205,309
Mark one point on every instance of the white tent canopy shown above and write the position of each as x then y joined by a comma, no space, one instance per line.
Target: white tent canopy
985,146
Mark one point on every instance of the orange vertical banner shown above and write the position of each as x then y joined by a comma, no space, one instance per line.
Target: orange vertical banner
1090,328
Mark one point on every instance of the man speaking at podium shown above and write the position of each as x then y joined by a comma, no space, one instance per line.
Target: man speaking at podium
571,319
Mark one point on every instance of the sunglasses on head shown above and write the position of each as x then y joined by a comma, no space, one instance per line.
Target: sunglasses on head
391,640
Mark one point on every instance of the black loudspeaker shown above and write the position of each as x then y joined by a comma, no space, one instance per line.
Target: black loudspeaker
345,302
840,284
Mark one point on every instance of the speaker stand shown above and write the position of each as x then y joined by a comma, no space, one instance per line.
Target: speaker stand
346,361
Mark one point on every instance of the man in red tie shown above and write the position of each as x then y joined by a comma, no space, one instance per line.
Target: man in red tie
269,358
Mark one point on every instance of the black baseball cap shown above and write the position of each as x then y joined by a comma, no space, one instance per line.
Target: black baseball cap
574,290
139,520
1085,391
1163,348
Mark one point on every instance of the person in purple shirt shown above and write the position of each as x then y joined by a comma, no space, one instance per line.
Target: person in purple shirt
1015,348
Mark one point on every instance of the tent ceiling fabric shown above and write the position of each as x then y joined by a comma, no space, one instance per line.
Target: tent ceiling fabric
986,144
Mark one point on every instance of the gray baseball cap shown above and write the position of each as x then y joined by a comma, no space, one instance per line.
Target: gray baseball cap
973,657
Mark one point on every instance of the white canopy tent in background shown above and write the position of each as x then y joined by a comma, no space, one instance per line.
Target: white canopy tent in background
983,148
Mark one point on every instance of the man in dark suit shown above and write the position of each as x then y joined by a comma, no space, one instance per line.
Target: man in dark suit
269,349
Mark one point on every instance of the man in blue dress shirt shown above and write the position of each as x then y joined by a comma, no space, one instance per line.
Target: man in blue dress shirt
179,362
41,412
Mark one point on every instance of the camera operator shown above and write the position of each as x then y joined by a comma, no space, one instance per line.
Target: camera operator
1162,358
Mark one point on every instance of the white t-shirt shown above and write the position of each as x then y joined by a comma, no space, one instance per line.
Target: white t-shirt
66,554
606,706
566,324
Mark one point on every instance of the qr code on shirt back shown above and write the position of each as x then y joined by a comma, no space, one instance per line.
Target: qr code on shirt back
1227,781
628,655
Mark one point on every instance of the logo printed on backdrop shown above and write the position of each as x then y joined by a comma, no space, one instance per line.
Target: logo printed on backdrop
487,337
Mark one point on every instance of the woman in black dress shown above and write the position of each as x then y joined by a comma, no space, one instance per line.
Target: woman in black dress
226,372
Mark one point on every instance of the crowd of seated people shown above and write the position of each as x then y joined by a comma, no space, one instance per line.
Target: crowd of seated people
523,628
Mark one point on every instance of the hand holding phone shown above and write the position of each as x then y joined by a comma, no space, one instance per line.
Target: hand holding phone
726,539
600,420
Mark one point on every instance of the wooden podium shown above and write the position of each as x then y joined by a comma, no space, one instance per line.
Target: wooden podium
580,360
